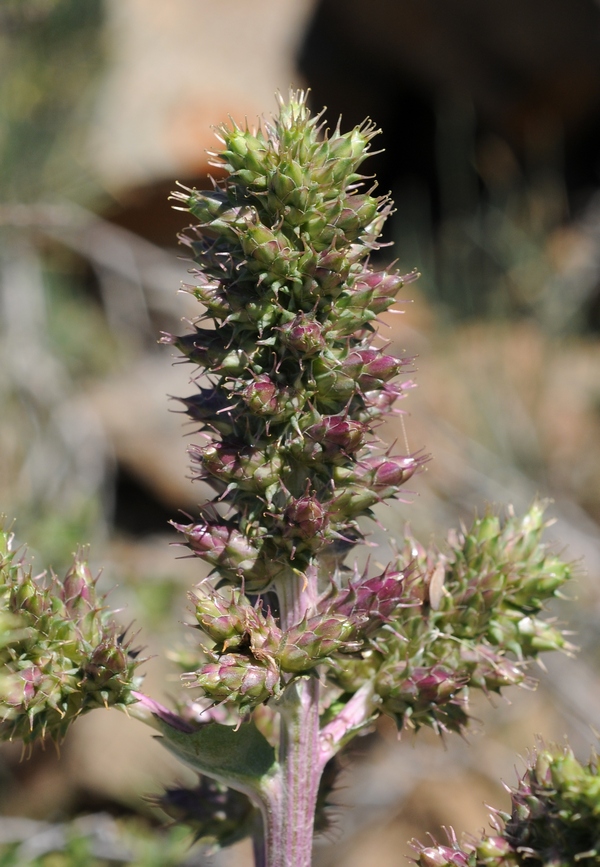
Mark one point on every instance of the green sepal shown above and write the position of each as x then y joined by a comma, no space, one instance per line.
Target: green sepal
241,758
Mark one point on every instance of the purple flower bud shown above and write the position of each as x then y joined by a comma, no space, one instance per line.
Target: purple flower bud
423,686
442,856
312,640
307,516
384,287
436,684
385,283
221,618
233,676
379,472
338,432
220,545
373,600
370,367
77,591
24,687
261,396
216,459
381,400
391,470
304,334
109,658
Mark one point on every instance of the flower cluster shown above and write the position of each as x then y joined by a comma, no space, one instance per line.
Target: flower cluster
475,622
554,820
264,654
291,383
296,384
61,654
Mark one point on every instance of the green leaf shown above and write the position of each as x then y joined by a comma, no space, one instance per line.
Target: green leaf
240,758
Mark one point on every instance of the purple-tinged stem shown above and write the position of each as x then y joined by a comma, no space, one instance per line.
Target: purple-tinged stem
289,817
297,594
291,801
355,714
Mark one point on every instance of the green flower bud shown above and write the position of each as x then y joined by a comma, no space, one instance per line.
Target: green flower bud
235,677
312,641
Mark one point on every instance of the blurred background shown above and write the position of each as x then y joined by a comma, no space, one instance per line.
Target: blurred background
491,128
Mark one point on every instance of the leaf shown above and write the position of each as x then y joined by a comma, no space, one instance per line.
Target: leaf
240,758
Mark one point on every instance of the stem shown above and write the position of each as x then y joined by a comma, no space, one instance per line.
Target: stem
355,715
297,594
289,812
289,818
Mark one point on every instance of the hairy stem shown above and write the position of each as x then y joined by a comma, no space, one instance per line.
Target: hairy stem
289,818
290,814
297,595
357,712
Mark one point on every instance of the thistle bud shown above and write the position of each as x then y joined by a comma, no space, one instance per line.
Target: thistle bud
370,368
350,501
380,401
245,150
60,652
217,215
205,348
24,687
357,212
422,687
535,636
212,296
248,469
267,250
